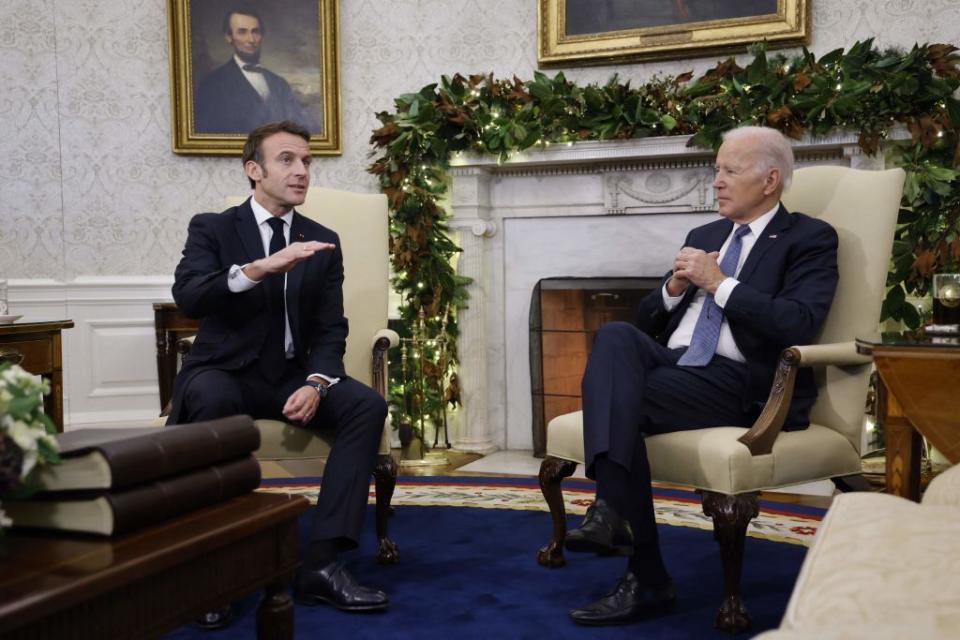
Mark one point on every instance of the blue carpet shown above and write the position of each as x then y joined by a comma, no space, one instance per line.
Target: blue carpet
472,573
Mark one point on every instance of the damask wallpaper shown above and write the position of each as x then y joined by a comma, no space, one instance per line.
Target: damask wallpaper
89,186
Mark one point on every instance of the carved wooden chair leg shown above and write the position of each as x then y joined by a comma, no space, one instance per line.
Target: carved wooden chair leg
731,515
385,481
552,472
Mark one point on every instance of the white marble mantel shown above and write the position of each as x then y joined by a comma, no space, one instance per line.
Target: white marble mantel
589,209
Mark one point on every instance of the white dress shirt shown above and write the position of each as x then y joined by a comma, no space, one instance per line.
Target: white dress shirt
238,282
256,79
726,346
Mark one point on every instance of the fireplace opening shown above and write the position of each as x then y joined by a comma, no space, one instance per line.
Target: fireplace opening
565,314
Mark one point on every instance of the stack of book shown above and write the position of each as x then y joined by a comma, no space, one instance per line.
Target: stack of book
112,481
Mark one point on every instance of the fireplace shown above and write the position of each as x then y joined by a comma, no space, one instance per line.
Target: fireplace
591,209
565,313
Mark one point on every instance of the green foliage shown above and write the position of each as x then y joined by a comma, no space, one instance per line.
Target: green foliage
861,89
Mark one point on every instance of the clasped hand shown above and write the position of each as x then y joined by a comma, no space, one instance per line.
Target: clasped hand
695,266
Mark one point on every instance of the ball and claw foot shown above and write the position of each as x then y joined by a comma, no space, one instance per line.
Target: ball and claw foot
388,552
551,556
732,616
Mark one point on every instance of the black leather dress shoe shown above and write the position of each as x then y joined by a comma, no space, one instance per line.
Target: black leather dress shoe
333,585
629,601
217,619
603,531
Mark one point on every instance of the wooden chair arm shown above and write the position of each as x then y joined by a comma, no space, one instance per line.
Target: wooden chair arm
382,341
761,436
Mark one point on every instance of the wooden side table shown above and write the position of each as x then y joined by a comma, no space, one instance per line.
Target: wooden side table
36,347
170,325
146,583
917,397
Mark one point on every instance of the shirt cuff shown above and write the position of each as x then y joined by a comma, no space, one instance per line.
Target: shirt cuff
670,302
237,280
330,381
723,292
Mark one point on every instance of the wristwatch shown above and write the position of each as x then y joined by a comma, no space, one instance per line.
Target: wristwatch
319,387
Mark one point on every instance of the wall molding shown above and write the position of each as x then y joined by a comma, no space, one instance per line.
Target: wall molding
109,356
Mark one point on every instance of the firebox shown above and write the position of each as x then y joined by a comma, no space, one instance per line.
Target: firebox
565,313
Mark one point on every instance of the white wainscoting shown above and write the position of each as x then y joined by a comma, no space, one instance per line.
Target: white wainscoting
109,356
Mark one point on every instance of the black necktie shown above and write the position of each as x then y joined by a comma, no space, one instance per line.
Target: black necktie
273,354
253,67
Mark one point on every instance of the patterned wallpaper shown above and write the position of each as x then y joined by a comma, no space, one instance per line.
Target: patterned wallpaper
89,186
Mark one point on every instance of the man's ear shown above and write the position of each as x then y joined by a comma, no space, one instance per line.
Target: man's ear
253,170
772,182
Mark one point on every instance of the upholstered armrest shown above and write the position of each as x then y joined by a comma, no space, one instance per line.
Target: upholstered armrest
838,354
389,334
184,344
761,436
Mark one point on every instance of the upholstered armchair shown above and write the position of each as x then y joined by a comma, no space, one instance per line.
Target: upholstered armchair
730,466
361,222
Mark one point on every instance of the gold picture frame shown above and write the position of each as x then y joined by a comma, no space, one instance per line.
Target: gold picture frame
235,65
605,31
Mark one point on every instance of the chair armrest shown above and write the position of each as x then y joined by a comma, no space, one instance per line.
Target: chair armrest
184,344
382,341
838,354
388,334
761,436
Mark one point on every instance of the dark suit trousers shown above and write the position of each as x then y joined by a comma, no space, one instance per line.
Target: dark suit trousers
352,413
632,386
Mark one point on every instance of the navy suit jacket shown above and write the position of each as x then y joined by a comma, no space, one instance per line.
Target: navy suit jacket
227,103
785,289
233,326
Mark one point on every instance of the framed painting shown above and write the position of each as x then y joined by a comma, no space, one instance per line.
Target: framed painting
605,31
237,65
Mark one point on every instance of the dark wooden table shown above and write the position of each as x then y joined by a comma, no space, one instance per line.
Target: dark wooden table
152,581
170,325
36,347
918,395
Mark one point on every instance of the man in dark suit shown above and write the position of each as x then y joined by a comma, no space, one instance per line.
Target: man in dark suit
241,94
266,283
702,353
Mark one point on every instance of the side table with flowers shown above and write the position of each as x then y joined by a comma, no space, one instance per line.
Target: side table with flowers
26,433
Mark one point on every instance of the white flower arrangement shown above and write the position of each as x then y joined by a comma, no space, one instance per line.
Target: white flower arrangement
26,433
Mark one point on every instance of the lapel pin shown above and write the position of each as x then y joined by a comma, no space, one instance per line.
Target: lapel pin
299,236
772,236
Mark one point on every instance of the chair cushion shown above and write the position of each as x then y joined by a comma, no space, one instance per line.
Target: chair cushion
879,561
283,441
713,459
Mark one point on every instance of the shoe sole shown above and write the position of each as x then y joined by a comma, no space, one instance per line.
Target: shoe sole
313,601
644,613
589,546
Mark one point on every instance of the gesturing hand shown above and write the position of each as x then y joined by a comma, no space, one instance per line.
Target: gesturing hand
286,259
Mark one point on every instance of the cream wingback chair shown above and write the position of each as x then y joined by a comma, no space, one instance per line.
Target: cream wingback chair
361,222
731,465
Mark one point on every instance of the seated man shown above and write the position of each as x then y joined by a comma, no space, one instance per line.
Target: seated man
271,343
703,353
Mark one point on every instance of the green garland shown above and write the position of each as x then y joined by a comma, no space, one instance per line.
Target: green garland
862,89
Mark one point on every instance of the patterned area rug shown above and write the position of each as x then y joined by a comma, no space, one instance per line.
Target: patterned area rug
793,524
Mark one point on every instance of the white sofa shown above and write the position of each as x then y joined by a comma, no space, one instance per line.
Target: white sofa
881,567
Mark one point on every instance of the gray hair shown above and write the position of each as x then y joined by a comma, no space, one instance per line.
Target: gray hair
772,150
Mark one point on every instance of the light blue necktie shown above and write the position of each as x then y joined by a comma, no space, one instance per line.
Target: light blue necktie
706,333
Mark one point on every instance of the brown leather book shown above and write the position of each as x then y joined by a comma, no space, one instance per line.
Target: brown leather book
118,512
104,458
